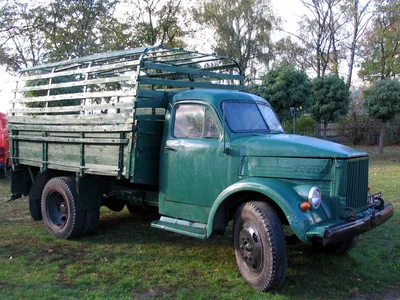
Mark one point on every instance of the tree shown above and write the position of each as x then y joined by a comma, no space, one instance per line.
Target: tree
242,30
73,28
382,101
35,33
320,32
158,22
381,46
21,40
286,87
330,99
294,53
358,16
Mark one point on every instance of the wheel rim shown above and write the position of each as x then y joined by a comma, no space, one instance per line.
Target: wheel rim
251,248
57,210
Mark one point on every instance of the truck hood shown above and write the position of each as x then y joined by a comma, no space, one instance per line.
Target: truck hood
291,145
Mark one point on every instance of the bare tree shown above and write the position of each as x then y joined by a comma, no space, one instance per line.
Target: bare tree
158,22
358,16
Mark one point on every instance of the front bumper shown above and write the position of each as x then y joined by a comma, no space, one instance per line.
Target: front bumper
372,218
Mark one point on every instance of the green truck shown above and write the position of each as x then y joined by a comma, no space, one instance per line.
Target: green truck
170,134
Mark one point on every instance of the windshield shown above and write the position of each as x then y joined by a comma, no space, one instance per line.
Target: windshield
251,117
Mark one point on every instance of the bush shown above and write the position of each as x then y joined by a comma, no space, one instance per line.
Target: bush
392,136
362,129
304,126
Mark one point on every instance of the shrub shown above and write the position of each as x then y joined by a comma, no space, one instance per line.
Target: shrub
304,126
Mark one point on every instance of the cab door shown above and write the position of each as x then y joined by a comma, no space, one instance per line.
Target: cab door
192,164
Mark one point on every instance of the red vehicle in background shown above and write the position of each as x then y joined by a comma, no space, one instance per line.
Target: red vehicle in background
4,146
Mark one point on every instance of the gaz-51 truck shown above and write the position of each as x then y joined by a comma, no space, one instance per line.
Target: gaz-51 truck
170,132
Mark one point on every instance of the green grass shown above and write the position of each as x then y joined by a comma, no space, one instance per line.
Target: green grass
127,259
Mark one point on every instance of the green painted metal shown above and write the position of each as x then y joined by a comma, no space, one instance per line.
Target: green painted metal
191,71
189,84
197,159
90,190
283,193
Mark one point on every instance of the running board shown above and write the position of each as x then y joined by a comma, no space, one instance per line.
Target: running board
197,230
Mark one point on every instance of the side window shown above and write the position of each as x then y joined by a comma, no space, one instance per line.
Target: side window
211,129
189,121
195,121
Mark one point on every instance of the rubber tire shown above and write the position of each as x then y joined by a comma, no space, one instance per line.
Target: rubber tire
75,223
91,219
338,249
143,214
35,196
270,229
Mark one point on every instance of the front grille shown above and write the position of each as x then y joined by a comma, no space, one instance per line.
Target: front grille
357,184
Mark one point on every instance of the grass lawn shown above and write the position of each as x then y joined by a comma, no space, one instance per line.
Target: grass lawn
128,259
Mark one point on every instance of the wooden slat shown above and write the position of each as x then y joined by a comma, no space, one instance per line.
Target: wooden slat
74,119
69,140
96,57
223,67
126,93
150,117
192,71
74,108
74,83
193,84
192,58
96,69
151,94
150,103
72,128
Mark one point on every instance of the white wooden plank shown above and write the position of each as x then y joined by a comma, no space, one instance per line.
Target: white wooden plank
127,93
74,108
75,83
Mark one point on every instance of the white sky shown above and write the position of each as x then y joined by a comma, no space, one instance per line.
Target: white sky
290,12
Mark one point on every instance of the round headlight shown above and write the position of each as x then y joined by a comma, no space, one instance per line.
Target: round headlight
314,197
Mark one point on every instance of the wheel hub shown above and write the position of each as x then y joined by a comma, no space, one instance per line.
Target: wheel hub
251,247
63,207
57,210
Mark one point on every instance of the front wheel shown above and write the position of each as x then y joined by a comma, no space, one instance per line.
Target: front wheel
260,247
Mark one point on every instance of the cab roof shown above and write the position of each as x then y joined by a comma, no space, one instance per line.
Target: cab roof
215,97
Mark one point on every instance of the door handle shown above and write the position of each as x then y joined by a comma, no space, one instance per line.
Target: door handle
169,148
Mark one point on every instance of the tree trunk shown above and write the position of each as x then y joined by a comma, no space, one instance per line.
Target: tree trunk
381,137
325,124
317,129
353,43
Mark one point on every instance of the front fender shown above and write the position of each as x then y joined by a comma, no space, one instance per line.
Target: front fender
283,193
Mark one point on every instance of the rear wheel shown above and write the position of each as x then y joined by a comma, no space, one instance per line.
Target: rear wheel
91,219
259,243
35,196
60,215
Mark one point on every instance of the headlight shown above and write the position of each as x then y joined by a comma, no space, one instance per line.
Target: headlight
314,197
